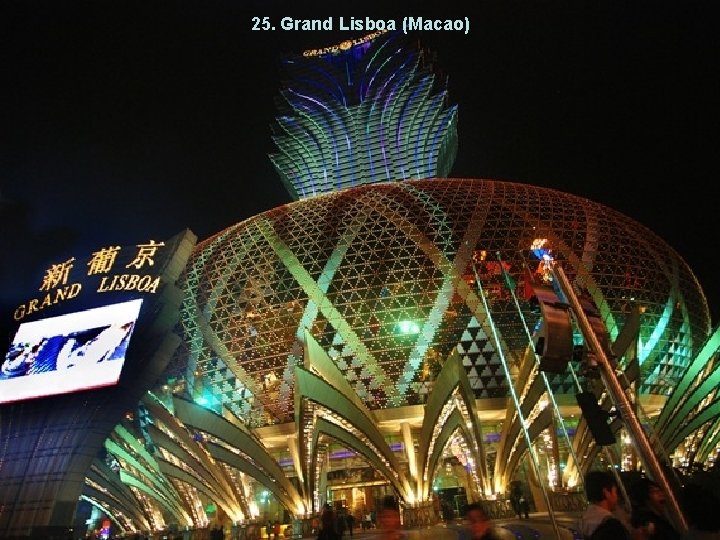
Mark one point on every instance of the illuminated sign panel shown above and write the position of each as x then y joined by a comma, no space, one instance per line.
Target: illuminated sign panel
111,269
344,46
67,353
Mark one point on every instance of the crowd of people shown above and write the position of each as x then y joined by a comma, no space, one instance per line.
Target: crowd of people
645,517
334,525
608,516
389,524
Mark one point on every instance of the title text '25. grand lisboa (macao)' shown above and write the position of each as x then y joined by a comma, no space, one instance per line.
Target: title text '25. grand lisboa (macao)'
394,331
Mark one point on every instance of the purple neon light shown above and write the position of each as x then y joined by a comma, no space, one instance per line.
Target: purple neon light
342,454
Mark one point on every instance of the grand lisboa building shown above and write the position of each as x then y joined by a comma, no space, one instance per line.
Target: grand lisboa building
378,335
370,332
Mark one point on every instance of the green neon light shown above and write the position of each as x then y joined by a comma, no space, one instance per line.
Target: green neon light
646,348
407,327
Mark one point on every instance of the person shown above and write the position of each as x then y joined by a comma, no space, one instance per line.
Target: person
622,510
515,502
516,496
446,511
388,519
17,362
340,524
478,524
597,521
525,506
216,533
26,360
648,510
350,523
109,344
45,354
327,524
276,530
700,506
315,524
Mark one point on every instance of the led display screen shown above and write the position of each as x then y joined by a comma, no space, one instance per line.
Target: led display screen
67,353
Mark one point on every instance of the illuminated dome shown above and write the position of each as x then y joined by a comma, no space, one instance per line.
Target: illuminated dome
383,277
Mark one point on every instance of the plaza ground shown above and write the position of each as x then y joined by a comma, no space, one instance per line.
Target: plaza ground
538,527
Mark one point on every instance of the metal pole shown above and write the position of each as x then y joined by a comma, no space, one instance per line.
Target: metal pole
516,401
548,389
621,402
653,434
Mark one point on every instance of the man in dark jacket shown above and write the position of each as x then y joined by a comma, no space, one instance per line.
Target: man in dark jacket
350,522
648,511
479,525
598,521
340,524
327,524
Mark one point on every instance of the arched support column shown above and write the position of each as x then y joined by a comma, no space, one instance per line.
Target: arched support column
315,400
236,444
451,392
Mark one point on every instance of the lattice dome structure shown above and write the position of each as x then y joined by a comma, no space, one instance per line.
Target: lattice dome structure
383,277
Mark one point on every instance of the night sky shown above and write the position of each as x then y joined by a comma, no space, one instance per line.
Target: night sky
123,121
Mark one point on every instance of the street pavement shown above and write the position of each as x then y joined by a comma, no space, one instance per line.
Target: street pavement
538,527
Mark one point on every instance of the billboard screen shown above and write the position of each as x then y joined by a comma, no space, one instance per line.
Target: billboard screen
67,353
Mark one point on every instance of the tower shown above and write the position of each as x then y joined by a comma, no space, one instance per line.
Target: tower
364,111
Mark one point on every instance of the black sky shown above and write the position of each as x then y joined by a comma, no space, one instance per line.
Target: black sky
122,121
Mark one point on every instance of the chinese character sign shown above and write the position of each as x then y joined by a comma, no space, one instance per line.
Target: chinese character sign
130,269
